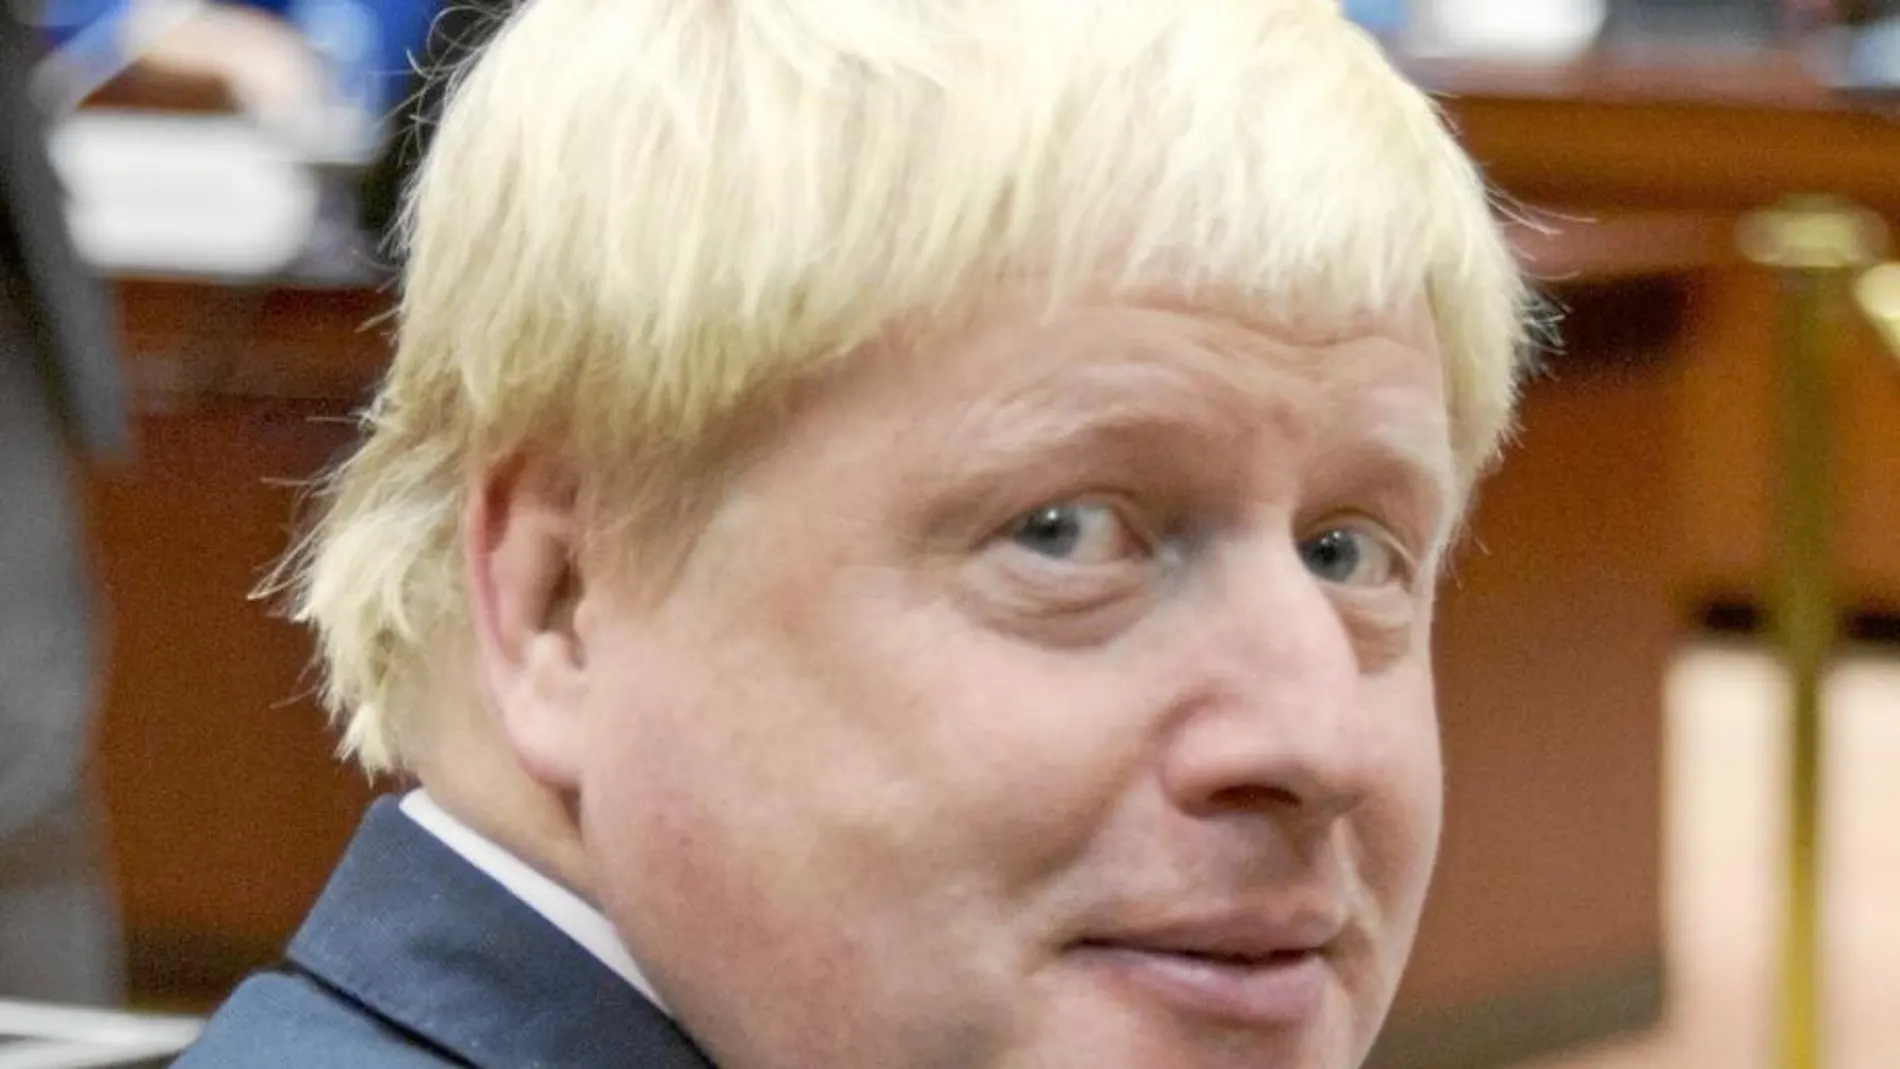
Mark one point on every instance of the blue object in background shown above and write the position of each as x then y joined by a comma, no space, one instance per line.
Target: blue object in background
91,37
61,19
368,43
1871,60
1383,18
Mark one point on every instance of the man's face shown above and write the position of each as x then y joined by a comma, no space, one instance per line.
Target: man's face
1058,696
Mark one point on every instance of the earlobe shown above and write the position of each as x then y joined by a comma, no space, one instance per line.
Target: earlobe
524,589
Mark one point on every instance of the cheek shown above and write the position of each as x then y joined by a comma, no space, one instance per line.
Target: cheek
1024,755
866,830
1401,824
972,764
710,859
651,813
674,789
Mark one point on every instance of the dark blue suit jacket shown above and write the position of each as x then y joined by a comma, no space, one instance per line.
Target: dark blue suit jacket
414,958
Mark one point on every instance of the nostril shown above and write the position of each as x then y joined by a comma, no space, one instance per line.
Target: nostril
1253,797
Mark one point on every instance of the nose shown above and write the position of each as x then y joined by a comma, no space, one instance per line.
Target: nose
1275,715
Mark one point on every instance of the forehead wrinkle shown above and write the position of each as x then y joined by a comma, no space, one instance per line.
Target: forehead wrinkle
1135,368
1398,400
1418,473
1424,460
1100,403
1119,373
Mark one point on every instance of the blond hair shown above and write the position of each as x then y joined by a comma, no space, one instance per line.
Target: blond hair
638,216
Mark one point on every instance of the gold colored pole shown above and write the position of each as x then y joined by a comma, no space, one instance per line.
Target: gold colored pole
1817,246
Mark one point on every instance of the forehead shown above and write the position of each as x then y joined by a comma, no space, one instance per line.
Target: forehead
1142,381
1195,363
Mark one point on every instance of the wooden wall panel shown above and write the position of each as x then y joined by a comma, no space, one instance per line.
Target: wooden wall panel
226,805
1553,637
1727,440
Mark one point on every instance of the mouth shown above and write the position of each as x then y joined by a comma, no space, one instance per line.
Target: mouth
1223,974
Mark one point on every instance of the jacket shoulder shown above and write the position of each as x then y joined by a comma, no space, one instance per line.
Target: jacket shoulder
288,1021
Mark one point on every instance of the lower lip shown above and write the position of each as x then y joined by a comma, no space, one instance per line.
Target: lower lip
1277,993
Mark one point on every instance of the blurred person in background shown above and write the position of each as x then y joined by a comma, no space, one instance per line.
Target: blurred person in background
60,400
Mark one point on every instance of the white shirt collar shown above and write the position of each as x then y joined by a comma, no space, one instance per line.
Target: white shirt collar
563,908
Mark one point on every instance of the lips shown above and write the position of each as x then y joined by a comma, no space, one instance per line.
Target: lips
1234,970
1243,937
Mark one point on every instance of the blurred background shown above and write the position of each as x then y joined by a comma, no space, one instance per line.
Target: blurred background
1619,710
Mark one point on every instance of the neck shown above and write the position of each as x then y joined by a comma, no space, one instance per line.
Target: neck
473,778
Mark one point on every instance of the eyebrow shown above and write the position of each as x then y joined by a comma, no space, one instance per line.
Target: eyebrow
1392,464
1046,421
1156,416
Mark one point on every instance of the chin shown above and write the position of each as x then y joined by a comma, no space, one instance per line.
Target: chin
1150,1048
1108,1023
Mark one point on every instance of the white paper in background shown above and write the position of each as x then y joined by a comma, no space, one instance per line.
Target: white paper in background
155,192
1528,30
41,1036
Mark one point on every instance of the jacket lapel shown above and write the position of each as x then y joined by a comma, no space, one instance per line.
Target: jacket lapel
430,943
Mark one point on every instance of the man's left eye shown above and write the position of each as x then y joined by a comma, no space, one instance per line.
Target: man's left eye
1082,532
1353,555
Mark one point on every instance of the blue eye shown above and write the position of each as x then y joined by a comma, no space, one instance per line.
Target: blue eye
1052,531
1080,532
1351,556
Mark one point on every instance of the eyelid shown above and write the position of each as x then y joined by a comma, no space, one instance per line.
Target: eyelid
1118,505
1065,601
1410,511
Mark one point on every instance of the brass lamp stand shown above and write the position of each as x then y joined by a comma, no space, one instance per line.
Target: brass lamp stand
1821,248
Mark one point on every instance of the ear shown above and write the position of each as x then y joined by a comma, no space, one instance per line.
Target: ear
521,549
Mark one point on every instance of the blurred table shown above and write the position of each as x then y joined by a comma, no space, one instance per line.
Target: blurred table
1717,137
